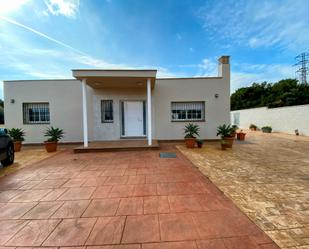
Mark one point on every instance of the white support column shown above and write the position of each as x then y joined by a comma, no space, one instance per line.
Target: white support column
149,133
85,118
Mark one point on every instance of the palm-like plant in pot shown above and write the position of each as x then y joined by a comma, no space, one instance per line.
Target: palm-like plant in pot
199,143
223,144
191,132
241,135
253,127
226,133
54,135
18,136
234,128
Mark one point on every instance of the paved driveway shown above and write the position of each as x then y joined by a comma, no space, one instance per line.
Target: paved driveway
120,200
268,178
27,156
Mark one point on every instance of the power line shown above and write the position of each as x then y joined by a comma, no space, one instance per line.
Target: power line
302,71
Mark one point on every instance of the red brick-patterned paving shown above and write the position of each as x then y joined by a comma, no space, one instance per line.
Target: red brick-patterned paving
120,200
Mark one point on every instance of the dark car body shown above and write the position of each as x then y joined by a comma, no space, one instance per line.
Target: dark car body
6,148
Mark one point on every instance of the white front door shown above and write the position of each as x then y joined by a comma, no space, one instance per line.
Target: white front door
133,118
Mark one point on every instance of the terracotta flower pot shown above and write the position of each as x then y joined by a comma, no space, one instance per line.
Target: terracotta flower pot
229,141
190,142
241,136
199,145
51,146
17,146
223,146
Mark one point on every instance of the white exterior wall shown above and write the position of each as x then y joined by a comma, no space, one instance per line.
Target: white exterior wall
181,90
64,98
112,131
65,103
282,119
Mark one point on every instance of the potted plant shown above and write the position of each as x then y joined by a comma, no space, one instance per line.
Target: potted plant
241,135
18,136
54,135
223,144
253,127
233,130
199,143
226,133
191,132
266,129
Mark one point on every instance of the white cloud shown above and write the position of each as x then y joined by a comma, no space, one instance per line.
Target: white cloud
39,33
68,8
242,79
246,74
166,73
36,70
90,61
27,61
9,6
258,23
208,67
73,57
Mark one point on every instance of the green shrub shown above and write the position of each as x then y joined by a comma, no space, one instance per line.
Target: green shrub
191,130
225,130
54,134
253,126
17,134
199,141
266,129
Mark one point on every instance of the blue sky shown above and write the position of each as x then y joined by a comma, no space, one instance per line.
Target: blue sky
47,38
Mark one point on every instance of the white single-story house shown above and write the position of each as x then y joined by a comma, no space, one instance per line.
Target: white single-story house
100,105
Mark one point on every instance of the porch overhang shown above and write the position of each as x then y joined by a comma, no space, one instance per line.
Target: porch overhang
102,79
128,78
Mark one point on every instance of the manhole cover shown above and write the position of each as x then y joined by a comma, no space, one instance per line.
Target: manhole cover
168,155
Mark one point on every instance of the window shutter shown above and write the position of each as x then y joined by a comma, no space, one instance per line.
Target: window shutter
188,111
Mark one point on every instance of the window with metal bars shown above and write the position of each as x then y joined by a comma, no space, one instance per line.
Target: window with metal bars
36,113
107,115
188,111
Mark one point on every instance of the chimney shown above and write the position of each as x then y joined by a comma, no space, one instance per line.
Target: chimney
224,67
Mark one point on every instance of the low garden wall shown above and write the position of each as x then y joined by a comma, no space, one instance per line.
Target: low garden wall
283,119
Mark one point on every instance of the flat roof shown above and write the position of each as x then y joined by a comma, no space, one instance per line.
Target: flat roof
190,78
126,73
116,78
121,69
56,79
157,78
96,77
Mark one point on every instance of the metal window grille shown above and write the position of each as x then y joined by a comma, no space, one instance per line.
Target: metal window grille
188,111
107,115
36,113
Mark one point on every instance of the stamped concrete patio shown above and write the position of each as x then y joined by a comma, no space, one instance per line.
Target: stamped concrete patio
267,177
27,156
119,200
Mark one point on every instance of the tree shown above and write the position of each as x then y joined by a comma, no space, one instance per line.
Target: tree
285,92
